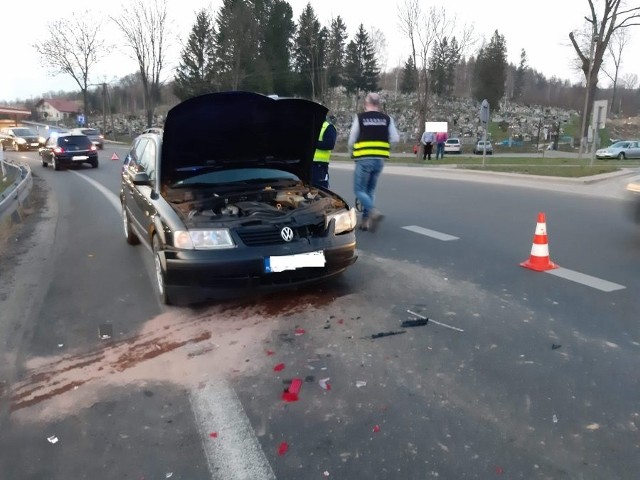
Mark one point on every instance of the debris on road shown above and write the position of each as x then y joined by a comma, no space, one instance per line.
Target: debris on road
324,383
555,347
105,331
433,321
376,428
283,448
414,323
168,475
291,394
279,367
52,439
555,418
386,334
213,435
300,331
270,352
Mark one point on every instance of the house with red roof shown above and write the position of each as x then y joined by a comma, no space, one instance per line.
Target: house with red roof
51,109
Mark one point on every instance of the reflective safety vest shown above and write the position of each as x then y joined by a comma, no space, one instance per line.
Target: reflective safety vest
373,140
322,155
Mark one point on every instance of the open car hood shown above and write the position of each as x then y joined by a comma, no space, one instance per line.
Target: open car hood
241,130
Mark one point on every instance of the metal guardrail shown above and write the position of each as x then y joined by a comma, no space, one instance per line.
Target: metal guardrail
14,196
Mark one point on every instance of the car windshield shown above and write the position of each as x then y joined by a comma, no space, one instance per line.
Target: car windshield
620,145
76,140
23,132
247,175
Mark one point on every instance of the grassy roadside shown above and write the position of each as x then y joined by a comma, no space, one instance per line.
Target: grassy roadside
543,166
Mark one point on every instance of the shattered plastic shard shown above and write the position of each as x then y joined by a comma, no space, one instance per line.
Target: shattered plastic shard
299,331
324,383
52,439
291,394
376,428
361,383
279,367
282,449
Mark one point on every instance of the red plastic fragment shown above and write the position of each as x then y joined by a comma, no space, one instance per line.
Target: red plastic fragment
279,367
341,321
213,434
291,393
499,470
376,428
300,331
282,449
270,352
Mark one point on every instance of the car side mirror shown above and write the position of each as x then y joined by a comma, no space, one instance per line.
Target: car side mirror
140,178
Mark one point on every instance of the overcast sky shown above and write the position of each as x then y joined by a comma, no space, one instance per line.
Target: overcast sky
541,28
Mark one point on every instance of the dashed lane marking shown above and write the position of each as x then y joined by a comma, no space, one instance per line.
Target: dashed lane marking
431,233
234,453
588,280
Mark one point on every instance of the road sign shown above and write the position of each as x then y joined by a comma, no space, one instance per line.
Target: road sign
484,111
114,156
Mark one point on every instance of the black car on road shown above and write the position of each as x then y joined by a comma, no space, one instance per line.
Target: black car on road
222,199
94,135
20,138
64,149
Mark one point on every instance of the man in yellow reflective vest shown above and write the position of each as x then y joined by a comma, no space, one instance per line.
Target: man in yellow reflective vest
322,155
370,139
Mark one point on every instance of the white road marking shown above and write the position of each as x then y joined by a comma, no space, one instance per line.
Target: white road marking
112,197
584,279
235,454
431,233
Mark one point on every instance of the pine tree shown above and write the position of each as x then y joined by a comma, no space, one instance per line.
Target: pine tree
442,66
519,80
196,73
409,78
308,54
336,48
361,69
491,71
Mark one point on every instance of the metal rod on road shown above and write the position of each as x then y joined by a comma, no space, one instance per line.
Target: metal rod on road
437,323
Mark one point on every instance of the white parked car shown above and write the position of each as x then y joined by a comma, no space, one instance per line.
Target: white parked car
483,145
453,145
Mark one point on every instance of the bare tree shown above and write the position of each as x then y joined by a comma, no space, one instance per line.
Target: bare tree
144,25
73,46
615,15
619,41
629,81
423,30
379,46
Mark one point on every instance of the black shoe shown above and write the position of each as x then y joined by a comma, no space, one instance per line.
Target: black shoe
364,225
375,217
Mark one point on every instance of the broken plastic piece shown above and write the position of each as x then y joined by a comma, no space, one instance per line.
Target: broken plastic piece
433,321
326,473
299,331
282,449
324,383
270,352
291,394
376,428
105,331
414,323
361,383
52,439
555,347
555,418
169,475
213,434
386,334
279,367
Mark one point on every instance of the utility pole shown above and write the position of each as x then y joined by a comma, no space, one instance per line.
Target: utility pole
104,107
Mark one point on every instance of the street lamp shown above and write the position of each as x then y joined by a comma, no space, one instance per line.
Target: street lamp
583,137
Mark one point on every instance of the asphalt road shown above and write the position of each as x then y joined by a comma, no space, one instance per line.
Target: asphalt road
540,383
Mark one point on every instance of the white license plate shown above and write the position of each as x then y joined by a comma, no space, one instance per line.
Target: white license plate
79,157
35,144
282,263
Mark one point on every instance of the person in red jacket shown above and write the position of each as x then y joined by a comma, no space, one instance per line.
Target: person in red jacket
441,138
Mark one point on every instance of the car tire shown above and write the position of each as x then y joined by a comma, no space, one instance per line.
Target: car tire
94,164
44,164
159,273
16,146
621,156
54,163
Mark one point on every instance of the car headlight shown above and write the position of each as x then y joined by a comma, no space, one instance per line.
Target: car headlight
345,220
203,239
20,141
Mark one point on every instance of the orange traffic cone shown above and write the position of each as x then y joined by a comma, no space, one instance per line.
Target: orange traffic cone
539,259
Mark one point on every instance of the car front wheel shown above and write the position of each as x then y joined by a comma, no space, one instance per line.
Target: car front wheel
160,275
621,156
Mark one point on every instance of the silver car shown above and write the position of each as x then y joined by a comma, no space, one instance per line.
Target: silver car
620,150
483,146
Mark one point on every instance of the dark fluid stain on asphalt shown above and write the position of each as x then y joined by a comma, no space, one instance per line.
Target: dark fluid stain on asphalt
43,385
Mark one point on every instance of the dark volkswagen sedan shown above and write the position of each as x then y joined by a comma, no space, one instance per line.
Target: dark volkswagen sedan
66,149
221,198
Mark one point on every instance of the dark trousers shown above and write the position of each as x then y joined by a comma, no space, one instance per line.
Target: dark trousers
426,150
320,174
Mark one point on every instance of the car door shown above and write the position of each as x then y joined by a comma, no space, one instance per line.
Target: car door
144,205
634,150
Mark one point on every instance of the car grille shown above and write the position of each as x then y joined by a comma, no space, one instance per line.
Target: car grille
270,234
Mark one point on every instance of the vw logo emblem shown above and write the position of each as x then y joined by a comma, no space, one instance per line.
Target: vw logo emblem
287,234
